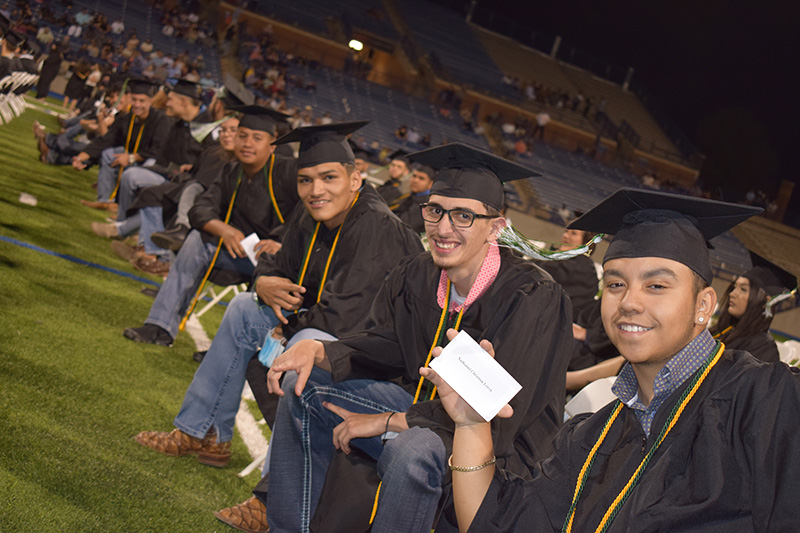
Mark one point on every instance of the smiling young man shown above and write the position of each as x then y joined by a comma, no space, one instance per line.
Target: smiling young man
701,438
133,138
340,243
254,196
348,393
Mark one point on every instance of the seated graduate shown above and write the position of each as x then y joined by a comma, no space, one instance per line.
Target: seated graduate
350,392
702,438
340,243
178,153
408,210
392,189
134,137
577,275
254,196
174,200
746,309
178,196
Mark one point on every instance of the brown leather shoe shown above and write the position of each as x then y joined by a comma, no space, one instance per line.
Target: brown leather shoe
247,516
151,265
126,251
177,443
107,206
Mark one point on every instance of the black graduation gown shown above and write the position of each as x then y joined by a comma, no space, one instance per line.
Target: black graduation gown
524,313
210,165
253,210
578,277
154,135
390,191
409,211
729,464
761,345
180,148
372,242
597,347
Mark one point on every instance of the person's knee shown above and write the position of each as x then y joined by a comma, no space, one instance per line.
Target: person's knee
416,450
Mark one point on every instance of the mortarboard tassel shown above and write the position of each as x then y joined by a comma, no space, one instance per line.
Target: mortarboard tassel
777,299
510,237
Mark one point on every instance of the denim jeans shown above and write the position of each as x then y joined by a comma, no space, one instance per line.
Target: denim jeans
106,174
412,465
152,221
184,278
133,179
213,397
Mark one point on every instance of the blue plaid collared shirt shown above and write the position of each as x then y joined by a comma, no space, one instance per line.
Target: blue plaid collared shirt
677,370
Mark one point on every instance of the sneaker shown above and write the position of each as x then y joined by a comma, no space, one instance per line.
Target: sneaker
149,334
105,230
176,443
171,239
199,356
247,516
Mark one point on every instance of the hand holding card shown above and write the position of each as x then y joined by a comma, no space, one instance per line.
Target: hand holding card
475,376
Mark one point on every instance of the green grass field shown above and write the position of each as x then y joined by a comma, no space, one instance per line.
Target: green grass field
74,391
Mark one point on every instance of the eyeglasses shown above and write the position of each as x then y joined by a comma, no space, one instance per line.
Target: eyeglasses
459,218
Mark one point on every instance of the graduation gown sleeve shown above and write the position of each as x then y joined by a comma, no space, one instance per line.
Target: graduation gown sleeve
761,345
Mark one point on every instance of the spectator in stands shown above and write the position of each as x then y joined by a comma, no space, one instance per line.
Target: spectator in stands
75,29
49,71
746,312
717,467
353,226
118,27
147,46
83,18
409,208
135,137
542,120
45,36
264,201
167,29
363,386
401,132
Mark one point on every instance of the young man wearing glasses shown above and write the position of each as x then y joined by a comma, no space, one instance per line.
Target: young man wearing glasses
348,393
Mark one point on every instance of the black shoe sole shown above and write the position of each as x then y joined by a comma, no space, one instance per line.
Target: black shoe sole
166,242
132,334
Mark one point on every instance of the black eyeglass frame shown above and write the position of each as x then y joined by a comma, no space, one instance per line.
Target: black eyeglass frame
450,216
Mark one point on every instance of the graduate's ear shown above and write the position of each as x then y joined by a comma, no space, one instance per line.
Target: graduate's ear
497,224
704,306
354,175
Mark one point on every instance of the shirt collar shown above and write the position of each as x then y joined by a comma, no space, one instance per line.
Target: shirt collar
486,276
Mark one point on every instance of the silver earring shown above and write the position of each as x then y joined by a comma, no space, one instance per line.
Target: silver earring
700,319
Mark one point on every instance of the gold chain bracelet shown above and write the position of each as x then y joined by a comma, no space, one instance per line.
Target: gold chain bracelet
491,461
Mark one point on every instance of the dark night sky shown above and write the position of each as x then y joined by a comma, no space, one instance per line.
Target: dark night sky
695,57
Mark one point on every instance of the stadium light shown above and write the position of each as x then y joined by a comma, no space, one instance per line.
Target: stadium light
356,45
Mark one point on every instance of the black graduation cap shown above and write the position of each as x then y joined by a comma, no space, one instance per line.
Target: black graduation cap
234,94
186,88
426,169
256,117
323,144
400,154
143,87
358,152
657,224
5,23
769,276
14,39
466,172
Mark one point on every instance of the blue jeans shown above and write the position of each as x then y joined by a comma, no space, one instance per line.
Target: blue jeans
184,278
412,465
133,179
152,220
106,174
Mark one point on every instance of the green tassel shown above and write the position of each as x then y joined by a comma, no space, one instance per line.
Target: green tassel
509,237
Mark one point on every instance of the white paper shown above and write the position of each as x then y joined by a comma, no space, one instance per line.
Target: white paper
249,245
475,376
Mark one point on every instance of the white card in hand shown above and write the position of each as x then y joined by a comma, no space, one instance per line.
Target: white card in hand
249,245
475,376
